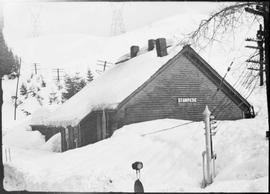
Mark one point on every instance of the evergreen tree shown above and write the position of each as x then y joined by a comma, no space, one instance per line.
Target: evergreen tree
73,84
23,89
90,76
8,64
43,84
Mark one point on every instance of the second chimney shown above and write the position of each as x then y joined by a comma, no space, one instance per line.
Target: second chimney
134,51
161,47
151,44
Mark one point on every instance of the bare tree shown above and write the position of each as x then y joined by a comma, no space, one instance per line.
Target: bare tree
224,20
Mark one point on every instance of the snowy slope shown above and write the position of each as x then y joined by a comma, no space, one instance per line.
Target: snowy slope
77,52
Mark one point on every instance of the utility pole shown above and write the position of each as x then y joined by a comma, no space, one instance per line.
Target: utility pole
117,26
266,37
17,86
58,71
262,9
36,68
104,64
260,45
259,41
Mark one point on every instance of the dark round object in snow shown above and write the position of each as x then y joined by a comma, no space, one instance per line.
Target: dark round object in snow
137,165
138,186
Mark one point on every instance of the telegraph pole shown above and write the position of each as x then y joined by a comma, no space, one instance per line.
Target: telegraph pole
17,86
260,45
58,71
263,10
104,64
36,68
266,36
259,41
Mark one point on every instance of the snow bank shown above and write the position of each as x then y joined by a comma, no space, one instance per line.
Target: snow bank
23,139
53,144
171,158
20,134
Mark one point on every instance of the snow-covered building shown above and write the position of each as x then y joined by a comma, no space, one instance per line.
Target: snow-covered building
165,82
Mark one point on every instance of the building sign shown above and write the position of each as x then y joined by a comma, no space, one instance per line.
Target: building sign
186,100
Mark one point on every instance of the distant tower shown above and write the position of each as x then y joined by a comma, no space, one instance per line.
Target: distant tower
1,16
117,26
35,19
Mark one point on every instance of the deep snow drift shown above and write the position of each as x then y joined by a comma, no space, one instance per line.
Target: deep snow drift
172,158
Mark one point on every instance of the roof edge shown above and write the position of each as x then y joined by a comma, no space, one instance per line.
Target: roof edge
218,76
160,70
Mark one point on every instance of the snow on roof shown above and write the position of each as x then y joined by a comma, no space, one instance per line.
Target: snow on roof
111,88
143,50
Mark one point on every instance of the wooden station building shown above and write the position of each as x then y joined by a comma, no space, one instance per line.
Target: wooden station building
162,82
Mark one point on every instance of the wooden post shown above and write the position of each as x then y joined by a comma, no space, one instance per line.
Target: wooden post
104,124
206,115
260,45
203,185
104,68
35,68
9,154
17,86
67,138
6,154
266,42
99,127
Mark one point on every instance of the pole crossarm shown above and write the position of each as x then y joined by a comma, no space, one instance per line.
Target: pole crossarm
254,61
253,11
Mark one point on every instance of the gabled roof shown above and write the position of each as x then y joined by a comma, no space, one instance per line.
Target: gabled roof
216,78
119,84
201,64
109,89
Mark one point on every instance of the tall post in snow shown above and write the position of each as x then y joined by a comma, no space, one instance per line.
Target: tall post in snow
206,115
17,87
104,124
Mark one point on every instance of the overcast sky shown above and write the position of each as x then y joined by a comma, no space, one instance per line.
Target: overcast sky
24,18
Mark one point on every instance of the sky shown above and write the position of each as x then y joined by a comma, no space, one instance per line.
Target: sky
23,19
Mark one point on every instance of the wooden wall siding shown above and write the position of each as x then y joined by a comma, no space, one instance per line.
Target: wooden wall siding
88,129
63,140
158,99
111,124
105,131
243,104
99,127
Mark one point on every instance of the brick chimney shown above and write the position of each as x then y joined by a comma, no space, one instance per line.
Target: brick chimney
151,44
134,51
161,47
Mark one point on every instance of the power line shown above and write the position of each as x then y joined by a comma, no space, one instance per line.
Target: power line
165,129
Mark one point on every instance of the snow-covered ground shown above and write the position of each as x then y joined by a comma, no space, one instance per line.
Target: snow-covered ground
172,158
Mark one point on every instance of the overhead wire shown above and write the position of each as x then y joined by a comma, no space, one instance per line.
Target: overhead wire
169,128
